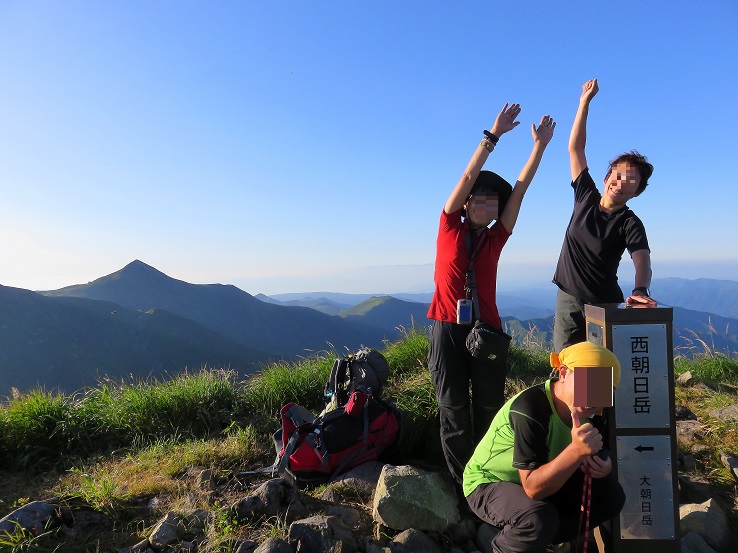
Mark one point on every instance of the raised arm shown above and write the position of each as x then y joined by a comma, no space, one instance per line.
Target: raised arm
504,122
578,136
541,137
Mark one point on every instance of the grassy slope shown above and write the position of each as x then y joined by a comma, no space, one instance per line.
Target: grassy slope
118,446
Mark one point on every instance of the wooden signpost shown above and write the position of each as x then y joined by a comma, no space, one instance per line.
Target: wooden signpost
642,424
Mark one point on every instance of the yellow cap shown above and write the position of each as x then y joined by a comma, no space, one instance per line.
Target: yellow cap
587,354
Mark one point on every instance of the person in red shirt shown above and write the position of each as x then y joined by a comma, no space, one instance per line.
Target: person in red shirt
464,235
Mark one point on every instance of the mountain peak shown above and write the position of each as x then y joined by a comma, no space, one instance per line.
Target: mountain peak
135,286
137,273
138,263
139,267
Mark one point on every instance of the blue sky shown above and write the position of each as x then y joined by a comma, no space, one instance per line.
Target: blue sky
284,146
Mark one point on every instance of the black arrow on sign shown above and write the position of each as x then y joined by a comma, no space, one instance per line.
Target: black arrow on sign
642,448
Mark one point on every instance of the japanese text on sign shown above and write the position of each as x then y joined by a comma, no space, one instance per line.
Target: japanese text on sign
642,399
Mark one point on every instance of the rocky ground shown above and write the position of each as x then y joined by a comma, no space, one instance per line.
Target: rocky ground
373,509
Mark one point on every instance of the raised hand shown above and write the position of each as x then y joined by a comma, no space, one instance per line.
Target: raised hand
505,120
585,437
589,91
545,130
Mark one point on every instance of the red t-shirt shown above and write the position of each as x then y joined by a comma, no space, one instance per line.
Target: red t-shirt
452,264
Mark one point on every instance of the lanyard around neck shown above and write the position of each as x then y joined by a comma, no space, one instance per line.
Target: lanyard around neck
470,285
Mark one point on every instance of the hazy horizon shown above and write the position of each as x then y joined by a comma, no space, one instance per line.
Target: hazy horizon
418,279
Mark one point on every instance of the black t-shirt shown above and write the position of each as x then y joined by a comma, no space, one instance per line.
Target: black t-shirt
594,244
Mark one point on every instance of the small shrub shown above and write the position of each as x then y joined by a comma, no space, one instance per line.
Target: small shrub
408,354
32,429
281,383
714,367
528,365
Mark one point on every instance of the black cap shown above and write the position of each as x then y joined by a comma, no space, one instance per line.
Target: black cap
491,183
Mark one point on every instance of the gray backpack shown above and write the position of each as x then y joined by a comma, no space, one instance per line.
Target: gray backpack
367,368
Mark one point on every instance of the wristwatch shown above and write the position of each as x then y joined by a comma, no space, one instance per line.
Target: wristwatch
641,291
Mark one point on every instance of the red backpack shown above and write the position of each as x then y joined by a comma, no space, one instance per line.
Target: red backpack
313,450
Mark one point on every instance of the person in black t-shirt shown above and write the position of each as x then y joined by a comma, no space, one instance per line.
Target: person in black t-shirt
601,228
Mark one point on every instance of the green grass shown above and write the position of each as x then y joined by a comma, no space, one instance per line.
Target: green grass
42,427
113,444
409,354
712,367
282,383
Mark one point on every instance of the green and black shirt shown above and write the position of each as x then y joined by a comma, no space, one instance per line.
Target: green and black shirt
525,434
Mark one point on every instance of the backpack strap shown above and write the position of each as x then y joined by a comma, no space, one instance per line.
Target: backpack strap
289,449
330,386
339,375
300,417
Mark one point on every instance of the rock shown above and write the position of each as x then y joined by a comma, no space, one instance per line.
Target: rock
35,517
204,480
708,520
682,413
695,543
197,520
726,414
693,489
362,478
685,379
157,503
464,531
350,517
274,545
371,547
140,547
407,497
273,497
730,462
414,541
248,546
167,532
687,432
319,533
689,463
82,524
332,495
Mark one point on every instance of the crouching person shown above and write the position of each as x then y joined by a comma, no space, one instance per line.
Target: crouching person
527,474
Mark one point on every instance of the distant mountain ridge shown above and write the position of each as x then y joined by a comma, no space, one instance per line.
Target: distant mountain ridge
141,322
529,314
387,311
702,294
67,343
537,304
227,310
320,303
693,332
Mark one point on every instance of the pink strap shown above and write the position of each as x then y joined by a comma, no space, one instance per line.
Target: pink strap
586,507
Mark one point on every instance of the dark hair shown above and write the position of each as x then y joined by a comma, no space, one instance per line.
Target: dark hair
645,169
489,183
